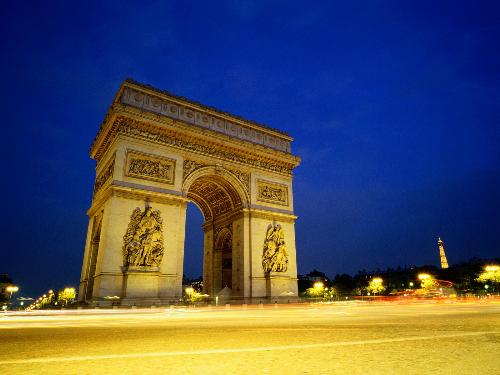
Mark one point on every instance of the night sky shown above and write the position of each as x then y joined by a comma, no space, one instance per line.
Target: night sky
394,107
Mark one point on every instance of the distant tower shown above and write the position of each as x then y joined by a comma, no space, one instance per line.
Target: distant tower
444,262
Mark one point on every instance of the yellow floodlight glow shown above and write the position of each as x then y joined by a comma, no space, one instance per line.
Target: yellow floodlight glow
423,276
12,289
377,280
189,290
492,268
318,285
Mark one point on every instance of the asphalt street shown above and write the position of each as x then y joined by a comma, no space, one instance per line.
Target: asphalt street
433,337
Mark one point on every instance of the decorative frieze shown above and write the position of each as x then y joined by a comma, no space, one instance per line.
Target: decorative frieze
271,192
243,177
204,119
104,176
133,128
150,167
190,166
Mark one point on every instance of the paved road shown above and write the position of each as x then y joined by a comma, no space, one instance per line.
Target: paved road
376,338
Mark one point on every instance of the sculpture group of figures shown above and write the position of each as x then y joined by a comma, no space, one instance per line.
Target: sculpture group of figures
275,257
143,242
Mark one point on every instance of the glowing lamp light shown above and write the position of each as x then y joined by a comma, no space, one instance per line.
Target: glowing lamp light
318,285
423,276
377,280
189,290
492,268
12,289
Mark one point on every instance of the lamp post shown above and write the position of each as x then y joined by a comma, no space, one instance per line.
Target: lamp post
11,289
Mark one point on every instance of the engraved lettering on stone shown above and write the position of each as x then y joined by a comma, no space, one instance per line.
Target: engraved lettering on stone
143,241
275,256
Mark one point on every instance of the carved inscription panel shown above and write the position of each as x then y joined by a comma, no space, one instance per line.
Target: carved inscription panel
150,167
271,192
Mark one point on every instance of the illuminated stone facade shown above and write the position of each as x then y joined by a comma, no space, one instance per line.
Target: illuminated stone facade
155,152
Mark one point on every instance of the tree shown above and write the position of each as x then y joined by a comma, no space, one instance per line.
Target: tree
428,283
375,286
330,294
316,291
65,296
491,275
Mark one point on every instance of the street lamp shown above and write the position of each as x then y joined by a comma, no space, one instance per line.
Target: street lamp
318,285
11,289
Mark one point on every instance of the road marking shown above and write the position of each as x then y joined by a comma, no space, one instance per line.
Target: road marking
241,350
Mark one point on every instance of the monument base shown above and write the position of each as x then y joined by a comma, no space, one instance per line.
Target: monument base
140,283
279,286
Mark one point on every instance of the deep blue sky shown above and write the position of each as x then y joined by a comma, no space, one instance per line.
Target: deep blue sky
394,106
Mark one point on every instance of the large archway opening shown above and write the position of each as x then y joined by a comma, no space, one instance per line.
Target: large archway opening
193,245
94,251
218,199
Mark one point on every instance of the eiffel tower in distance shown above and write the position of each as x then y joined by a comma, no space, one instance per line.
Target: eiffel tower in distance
442,255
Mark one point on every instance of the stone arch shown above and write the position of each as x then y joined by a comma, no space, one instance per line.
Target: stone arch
216,191
161,151
224,251
220,195
93,254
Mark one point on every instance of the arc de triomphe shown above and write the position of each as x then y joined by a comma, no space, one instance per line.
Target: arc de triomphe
155,152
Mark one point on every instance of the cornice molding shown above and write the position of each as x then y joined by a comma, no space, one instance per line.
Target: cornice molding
162,94
131,125
147,104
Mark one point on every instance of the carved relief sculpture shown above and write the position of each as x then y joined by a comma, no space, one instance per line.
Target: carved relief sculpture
275,256
190,166
143,242
272,193
243,177
150,167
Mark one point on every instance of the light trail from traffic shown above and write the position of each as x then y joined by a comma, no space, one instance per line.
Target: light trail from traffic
342,338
